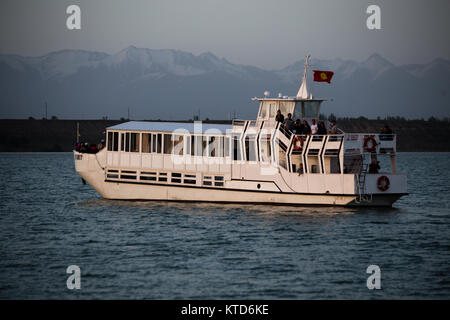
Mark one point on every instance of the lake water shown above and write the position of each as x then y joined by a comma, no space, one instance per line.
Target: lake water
156,250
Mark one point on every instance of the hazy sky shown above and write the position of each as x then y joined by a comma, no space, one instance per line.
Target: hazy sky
268,34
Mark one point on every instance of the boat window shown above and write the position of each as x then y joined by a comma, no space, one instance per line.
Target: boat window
313,161
159,142
154,142
190,179
115,141
297,114
218,181
263,111
334,164
220,152
122,142
168,144
207,180
146,142
187,144
192,145
273,110
127,142
135,142
281,154
175,177
198,146
286,107
126,174
311,109
147,178
178,144
204,146
282,158
110,141
250,148
266,151
236,149
162,176
227,147
213,146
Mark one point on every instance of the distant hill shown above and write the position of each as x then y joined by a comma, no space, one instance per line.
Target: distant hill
171,84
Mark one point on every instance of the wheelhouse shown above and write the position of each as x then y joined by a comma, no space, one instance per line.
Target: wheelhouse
299,108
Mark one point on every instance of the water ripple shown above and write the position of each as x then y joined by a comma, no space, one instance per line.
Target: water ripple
160,250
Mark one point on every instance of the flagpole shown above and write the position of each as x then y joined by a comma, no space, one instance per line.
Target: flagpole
306,74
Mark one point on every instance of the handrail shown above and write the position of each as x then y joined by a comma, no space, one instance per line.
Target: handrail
369,134
288,133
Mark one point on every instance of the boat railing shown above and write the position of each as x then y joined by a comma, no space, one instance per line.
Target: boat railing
386,137
252,123
288,133
370,143
335,137
316,137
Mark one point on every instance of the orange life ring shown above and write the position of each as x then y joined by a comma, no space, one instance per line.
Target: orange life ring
370,144
298,143
383,183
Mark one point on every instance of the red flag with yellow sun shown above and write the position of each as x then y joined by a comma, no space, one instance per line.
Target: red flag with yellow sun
323,76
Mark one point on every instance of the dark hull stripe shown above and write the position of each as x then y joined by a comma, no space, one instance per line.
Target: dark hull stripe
245,190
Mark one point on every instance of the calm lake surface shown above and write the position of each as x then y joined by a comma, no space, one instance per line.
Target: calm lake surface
156,250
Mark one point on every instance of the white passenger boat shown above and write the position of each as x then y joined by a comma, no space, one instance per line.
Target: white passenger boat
249,161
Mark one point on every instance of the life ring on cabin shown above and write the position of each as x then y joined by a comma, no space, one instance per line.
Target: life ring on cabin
370,144
298,143
383,183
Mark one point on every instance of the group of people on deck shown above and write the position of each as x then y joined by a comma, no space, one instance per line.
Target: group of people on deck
303,127
89,148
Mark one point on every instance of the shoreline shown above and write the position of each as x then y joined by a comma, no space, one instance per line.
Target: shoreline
24,135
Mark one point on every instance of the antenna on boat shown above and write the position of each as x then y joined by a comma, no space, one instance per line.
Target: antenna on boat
303,91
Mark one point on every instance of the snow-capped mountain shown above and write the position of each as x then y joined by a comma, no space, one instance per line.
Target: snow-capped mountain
68,62
174,84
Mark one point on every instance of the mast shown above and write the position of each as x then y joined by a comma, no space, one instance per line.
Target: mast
303,91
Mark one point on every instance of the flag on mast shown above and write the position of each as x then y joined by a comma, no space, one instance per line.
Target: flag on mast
323,76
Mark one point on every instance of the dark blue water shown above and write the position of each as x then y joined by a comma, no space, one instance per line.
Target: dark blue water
50,220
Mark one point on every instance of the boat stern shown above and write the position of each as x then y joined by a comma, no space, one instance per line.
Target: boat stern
90,167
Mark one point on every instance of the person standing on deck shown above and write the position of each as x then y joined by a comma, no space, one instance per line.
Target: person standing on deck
314,127
374,166
333,129
288,122
279,117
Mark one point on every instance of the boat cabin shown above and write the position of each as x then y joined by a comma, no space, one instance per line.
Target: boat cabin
305,109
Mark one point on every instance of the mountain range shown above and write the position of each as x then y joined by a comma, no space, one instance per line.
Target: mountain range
172,84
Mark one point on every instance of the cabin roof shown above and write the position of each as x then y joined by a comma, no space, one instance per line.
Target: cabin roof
171,126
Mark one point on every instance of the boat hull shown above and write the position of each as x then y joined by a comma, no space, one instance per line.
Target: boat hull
143,191
92,172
